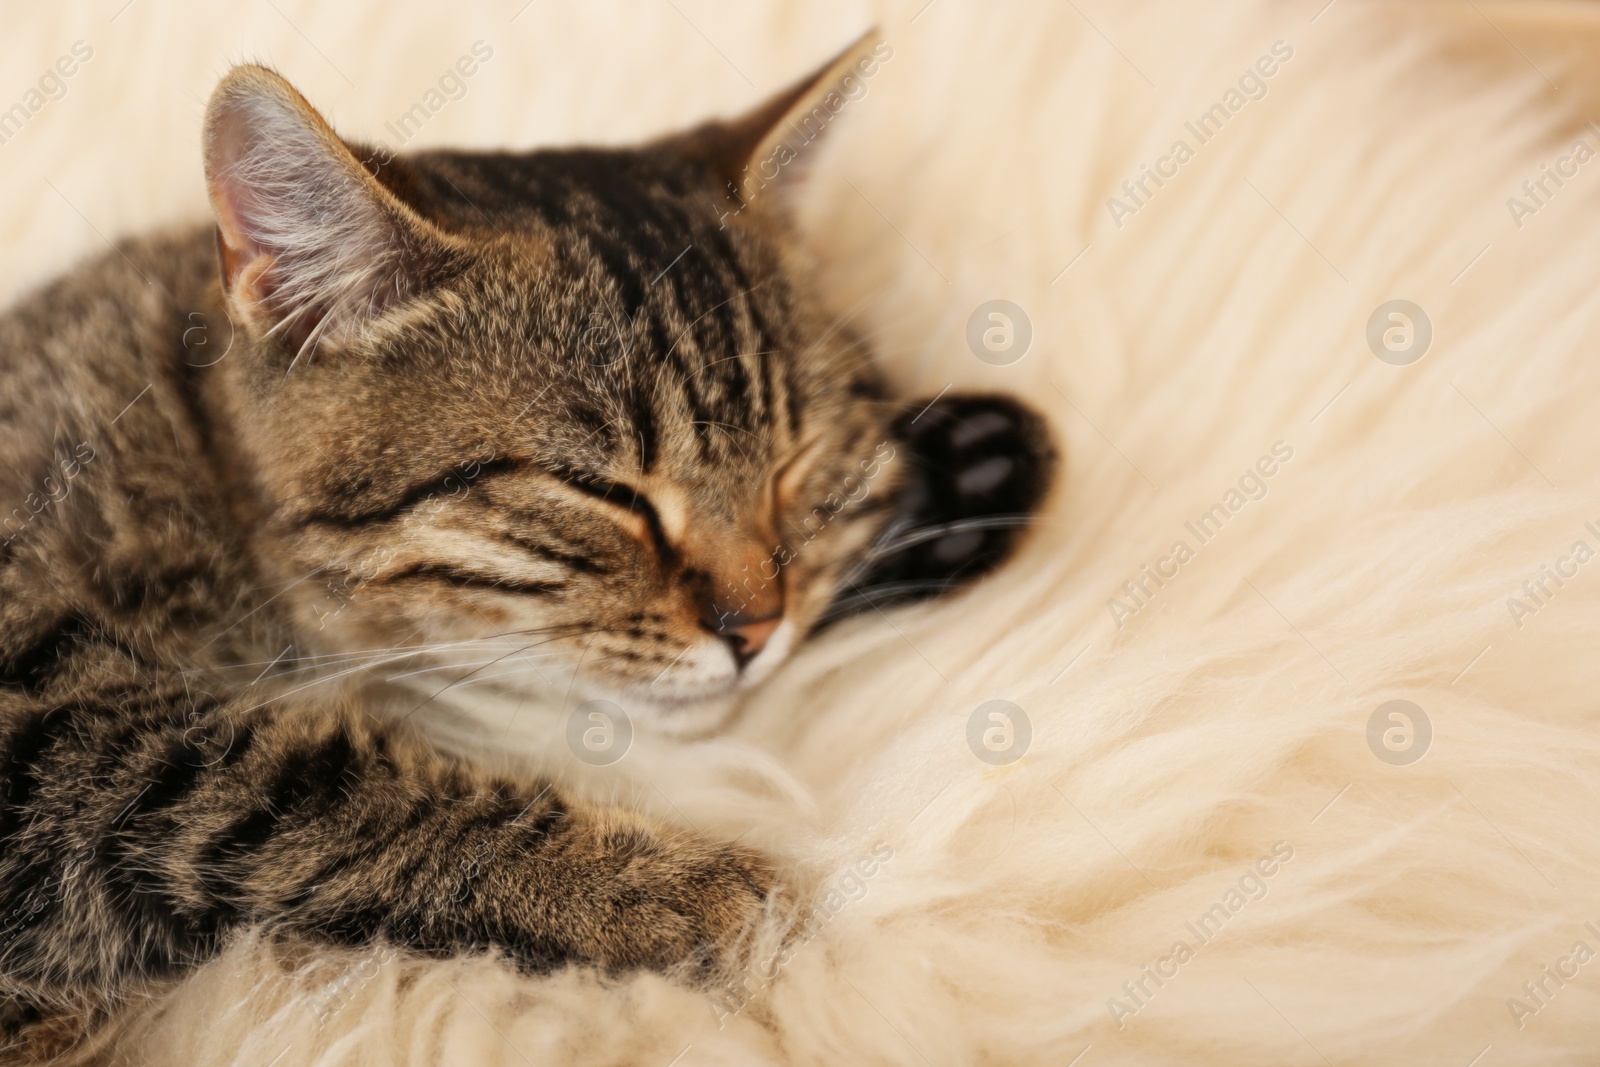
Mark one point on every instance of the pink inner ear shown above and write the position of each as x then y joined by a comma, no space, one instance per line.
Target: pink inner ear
310,245
236,245
249,274
268,225
238,208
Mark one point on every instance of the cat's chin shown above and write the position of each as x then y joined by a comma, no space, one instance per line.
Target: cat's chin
695,707
699,701
687,717
686,710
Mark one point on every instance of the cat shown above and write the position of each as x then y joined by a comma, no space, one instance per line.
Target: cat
574,410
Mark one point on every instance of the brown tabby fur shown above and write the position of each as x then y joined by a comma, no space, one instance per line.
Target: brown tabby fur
558,399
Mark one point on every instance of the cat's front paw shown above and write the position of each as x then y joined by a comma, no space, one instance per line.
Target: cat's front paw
977,468
665,901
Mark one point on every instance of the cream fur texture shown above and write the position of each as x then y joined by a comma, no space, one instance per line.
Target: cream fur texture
1204,762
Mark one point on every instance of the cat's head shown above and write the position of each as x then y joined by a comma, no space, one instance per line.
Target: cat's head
517,413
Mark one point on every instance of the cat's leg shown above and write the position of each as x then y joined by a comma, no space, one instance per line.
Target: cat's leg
977,468
139,829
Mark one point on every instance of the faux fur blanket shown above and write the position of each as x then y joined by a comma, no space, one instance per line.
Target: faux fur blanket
1279,742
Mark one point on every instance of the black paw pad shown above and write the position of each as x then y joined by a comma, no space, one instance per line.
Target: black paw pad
977,467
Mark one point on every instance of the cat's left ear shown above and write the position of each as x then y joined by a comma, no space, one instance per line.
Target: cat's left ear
312,246
758,158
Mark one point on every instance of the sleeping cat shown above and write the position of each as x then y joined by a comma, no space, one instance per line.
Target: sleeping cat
574,409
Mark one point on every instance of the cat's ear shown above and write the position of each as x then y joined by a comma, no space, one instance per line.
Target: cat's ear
311,245
758,158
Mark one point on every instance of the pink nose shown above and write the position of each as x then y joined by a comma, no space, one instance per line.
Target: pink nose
747,637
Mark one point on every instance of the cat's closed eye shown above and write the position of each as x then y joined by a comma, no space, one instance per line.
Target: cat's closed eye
641,514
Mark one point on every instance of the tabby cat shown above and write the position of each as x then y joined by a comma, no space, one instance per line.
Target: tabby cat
394,416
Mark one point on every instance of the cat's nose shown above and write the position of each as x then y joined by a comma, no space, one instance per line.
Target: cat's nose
746,636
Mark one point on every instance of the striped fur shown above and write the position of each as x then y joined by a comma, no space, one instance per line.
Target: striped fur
440,410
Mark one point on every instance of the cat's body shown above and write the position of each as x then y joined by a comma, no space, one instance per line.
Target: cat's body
480,412
152,784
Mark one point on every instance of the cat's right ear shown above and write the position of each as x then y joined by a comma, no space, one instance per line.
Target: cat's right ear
311,245
758,159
